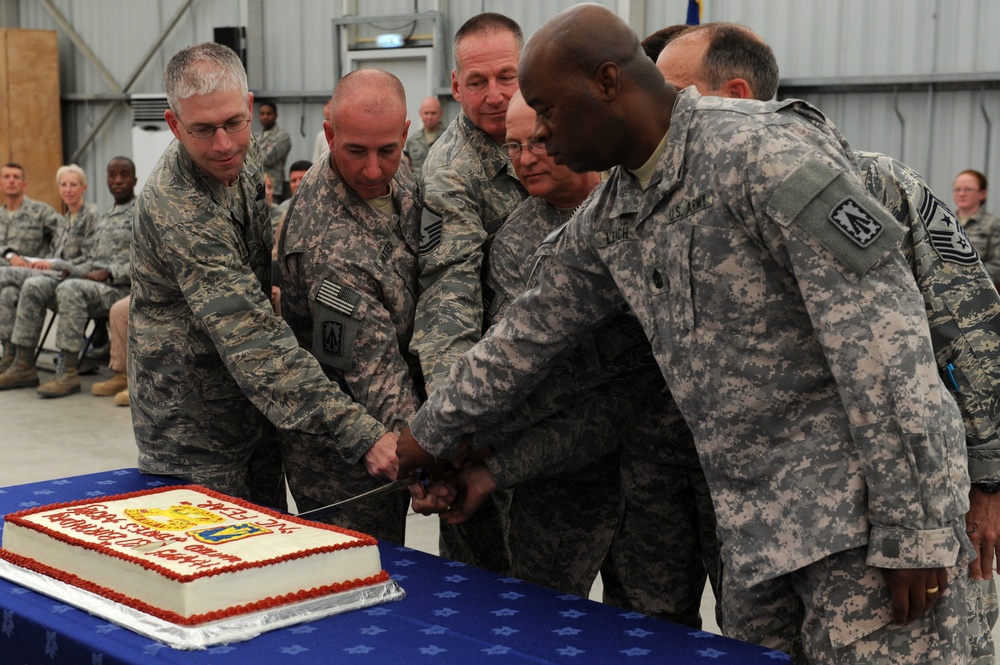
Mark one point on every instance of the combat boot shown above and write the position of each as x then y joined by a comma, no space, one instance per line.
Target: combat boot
8,355
22,373
121,399
112,386
67,379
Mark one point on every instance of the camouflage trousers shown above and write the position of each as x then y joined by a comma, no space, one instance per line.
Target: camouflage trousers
561,527
316,479
836,611
981,606
666,545
481,541
76,301
11,280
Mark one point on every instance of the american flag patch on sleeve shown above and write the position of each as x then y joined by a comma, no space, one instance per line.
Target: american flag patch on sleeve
337,297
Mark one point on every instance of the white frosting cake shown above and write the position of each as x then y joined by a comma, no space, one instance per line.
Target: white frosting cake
188,554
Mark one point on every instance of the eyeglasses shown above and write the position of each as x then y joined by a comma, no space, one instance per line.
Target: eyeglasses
208,131
534,147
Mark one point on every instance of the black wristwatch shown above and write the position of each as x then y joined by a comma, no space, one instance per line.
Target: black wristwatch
988,486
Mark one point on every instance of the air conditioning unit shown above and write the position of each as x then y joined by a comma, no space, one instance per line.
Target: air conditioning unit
150,134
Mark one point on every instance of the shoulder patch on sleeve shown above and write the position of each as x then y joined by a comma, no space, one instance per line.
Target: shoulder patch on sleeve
947,236
837,213
335,328
431,227
337,297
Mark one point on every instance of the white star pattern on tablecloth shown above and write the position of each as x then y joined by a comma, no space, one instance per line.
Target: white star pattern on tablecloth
511,595
572,614
372,630
506,631
638,632
711,653
444,612
497,650
294,650
404,562
448,594
505,612
457,579
361,648
569,651
432,650
567,631
434,630
635,651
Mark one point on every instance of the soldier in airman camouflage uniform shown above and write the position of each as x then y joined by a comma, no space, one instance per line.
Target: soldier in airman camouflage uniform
469,188
788,327
210,364
74,229
100,276
27,229
348,259
963,306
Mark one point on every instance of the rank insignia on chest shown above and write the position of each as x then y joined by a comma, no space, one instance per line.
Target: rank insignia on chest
855,222
947,236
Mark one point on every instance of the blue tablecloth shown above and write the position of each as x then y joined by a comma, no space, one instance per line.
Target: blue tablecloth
452,614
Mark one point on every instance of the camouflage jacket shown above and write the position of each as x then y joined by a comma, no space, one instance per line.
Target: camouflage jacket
29,230
984,232
963,307
109,245
613,366
469,188
349,289
787,325
275,144
74,233
206,350
417,147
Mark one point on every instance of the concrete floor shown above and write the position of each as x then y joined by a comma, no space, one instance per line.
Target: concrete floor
41,439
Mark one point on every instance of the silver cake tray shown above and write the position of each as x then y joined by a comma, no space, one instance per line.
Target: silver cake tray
212,633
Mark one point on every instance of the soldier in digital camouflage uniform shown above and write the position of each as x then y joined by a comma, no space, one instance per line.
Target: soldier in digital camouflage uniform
962,305
210,365
469,188
788,327
27,229
348,259
98,280
67,246
275,144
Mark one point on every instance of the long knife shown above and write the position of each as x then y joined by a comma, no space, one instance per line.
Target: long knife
419,476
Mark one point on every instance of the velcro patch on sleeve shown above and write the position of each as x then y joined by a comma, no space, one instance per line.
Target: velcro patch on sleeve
431,227
335,326
337,297
946,235
837,213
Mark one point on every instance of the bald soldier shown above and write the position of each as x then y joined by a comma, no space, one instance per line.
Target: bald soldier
963,307
420,142
348,260
788,328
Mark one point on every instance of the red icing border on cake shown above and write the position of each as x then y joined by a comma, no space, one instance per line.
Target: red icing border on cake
194,619
18,518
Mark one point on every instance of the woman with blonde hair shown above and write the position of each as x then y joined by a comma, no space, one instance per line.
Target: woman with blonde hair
982,228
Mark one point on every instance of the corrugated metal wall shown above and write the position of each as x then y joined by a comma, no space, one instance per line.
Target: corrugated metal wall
938,131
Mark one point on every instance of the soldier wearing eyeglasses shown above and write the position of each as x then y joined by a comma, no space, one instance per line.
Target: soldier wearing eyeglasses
212,370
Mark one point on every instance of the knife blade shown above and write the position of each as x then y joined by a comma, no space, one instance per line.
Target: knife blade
419,476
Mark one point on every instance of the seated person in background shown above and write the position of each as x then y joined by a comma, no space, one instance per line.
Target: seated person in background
118,384
320,146
67,250
348,259
273,208
105,278
27,229
982,228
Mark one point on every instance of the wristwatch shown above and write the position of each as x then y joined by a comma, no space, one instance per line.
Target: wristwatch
988,486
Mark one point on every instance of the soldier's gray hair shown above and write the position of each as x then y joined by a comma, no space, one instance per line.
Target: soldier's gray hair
487,22
202,69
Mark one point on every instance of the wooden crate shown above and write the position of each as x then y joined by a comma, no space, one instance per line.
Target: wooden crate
30,111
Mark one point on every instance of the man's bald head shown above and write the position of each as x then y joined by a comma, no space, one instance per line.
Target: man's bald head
368,90
598,97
